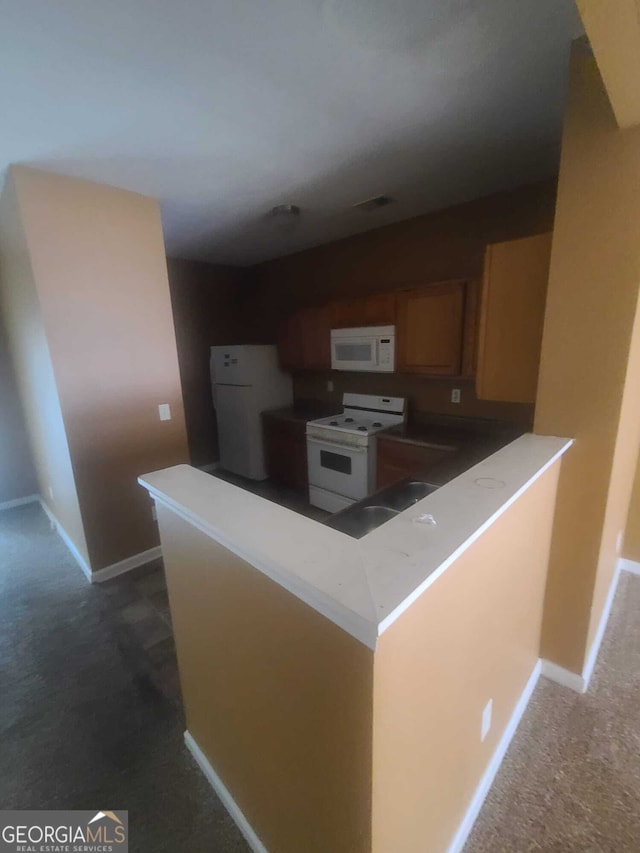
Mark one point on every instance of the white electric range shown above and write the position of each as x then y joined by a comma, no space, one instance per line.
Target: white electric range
341,450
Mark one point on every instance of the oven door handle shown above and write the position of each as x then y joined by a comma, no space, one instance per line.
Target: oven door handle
326,442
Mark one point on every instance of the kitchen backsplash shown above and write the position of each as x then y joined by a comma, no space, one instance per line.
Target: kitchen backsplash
425,395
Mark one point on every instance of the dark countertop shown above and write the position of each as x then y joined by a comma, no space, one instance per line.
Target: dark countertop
448,430
473,438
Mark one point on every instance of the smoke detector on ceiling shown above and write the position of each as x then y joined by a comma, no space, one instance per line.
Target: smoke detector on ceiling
285,217
374,203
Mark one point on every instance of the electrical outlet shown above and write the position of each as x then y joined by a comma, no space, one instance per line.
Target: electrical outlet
329,385
164,410
619,539
486,719
455,395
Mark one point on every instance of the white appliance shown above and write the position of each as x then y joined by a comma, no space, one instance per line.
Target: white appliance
371,348
246,380
341,450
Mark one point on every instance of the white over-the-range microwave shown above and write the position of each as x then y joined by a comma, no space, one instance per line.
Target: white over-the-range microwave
371,348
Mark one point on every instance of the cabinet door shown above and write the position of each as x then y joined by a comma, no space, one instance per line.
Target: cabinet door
315,339
379,310
397,459
345,315
304,340
376,310
512,308
429,329
290,343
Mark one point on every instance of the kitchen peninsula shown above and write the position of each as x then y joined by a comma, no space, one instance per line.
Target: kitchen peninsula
334,687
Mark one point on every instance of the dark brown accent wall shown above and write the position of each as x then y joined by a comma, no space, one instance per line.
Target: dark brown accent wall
443,245
17,474
206,312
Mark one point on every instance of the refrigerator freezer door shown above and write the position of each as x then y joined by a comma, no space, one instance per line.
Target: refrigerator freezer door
236,365
239,432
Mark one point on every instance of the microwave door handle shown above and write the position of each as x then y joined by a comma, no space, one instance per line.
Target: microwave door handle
377,352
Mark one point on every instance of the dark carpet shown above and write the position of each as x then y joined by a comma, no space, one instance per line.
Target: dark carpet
90,718
87,721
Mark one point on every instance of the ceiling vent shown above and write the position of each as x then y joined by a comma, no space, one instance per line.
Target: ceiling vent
374,203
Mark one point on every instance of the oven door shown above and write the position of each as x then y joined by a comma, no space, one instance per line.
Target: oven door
358,353
338,469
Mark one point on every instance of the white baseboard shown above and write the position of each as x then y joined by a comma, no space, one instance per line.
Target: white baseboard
115,569
563,676
489,774
62,533
625,565
592,657
580,681
223,793
29,499
108,572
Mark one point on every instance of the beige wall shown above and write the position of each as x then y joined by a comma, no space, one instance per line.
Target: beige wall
97,258
205,299
328,746
614,34
17,474
34,373
277,697
631,546
473,636
588,387
443,245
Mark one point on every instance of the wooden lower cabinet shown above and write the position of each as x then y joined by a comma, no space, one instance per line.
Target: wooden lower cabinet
285,447
399,459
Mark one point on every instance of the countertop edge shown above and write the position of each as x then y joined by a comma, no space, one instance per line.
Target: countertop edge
388,621
364,630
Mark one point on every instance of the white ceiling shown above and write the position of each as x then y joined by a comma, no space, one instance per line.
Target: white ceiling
224,108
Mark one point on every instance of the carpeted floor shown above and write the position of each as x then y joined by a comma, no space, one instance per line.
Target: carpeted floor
90,718
570,782
82,723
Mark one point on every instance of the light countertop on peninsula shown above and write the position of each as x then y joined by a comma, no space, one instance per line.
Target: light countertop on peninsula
362,585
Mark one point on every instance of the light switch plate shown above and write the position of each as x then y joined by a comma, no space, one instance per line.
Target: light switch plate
164,410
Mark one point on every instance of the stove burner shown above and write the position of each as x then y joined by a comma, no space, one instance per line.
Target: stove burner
376,424
362,429
334,423
348,420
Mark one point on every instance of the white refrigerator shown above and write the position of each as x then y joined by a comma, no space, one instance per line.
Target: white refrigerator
246,380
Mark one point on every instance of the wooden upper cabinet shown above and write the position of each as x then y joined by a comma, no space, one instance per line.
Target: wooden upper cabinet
376,310
316,339
379,310
429,328
303,342
512,306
